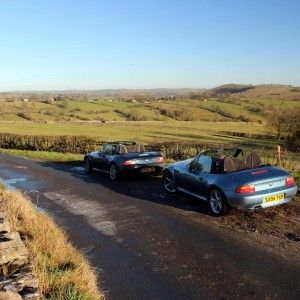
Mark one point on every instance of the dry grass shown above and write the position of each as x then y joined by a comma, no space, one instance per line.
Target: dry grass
63,271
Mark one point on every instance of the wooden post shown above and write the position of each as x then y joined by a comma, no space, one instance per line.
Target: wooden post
278,156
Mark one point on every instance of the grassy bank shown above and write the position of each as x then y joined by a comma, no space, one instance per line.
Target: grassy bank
63,271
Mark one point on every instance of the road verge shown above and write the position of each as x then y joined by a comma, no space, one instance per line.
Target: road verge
62,271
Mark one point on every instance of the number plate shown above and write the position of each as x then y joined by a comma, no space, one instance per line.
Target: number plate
152,169
274,198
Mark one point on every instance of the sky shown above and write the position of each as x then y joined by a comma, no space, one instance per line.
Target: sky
145,44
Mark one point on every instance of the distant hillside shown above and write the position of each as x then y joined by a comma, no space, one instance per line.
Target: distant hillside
108,92
270,91
264,91
231,89
242,103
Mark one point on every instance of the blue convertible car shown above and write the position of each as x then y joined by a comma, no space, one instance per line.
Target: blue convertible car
226,179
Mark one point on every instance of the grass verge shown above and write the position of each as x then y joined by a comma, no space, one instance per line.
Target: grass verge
63,158
63,271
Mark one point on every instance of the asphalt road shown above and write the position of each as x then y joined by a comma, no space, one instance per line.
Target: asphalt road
146,244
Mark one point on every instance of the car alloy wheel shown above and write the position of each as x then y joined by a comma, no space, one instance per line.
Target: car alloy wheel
168,182
217,202
87,166
113,172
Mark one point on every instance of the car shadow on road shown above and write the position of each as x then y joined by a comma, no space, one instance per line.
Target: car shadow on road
146,188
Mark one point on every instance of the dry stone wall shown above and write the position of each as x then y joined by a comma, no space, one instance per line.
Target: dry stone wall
16,278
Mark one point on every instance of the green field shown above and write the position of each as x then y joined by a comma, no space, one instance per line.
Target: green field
214,109
143,131
227,114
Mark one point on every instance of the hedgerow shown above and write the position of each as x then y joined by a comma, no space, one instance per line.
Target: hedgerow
173,150
62,144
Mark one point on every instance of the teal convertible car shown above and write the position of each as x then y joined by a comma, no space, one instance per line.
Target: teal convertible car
227,179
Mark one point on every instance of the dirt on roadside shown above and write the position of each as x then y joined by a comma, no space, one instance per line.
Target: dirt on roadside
276,229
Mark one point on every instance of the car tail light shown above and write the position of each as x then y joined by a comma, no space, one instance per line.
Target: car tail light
130,162
245,189
289,180
159,159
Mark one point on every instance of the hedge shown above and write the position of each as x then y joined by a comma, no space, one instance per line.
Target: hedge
63,144
176,150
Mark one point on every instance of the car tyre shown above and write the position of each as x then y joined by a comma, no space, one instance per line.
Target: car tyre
113,172
168,182
217,202
87,166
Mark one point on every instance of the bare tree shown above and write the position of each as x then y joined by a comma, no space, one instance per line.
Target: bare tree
285,121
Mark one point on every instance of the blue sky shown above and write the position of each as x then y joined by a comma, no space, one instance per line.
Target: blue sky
104,44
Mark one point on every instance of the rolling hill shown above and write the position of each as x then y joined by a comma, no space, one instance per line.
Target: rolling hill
268,91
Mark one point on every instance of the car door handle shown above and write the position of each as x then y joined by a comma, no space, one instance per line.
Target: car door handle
201,178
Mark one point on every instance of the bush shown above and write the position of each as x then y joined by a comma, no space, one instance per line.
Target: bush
62,144
294,141
24,116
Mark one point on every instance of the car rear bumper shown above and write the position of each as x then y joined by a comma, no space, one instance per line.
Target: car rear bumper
256,201
141,170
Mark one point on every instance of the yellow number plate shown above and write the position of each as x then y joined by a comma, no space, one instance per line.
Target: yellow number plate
148,169
274,198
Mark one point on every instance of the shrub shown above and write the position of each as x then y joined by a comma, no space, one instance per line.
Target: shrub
24,116
62,144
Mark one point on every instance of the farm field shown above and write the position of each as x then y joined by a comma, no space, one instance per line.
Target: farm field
231,102
213,109
233,114
142,131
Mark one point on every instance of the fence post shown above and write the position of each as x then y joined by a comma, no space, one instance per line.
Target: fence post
278,156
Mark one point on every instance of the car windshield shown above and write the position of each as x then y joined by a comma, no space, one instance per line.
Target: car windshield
108,149
201,163
220,153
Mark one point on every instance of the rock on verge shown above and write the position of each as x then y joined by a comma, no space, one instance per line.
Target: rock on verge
16,278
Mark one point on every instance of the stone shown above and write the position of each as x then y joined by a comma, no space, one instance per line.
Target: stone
28,281
17,264
4,224
16,278
10,296
11,247
4,271
33,294
19,282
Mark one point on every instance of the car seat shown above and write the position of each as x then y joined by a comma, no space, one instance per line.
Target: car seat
122,149
228,164
252,160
